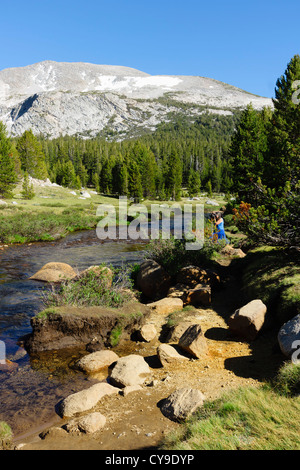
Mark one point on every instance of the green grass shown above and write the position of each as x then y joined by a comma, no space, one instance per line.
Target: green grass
54,212
287,381
41,219
5,435
273,275
104,287
243,419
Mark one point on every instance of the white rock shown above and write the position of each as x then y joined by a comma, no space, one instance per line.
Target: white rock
182,403
130,370
167,354
148,332
85,399
96,361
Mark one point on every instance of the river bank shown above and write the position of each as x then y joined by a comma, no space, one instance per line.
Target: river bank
135,421
40,381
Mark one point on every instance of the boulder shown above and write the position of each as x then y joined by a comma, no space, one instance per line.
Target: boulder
193,341
200,295
166,305
167,354
147,333
289,336
85,399
248,320
129,370
231,251
176,331
96,361
54,272
85,194
182,403
179,291
152,280
191,276
88,424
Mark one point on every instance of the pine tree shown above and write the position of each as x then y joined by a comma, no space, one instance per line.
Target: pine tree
194,183
32,156
8,175
27,188
284,142
248,150
135,188
173,176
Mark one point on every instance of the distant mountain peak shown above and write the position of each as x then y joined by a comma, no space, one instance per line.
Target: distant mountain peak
83,98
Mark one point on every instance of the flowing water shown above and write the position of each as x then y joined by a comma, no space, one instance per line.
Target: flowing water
29,394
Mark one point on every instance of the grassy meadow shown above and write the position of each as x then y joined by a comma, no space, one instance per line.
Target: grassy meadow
55,211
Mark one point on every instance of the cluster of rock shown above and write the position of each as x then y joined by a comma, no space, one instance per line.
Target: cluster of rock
192,285
126,375
185,342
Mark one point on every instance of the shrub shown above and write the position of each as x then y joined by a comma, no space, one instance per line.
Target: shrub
172,254
92,289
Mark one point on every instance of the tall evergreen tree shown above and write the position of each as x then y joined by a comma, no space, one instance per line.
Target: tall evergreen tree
247,153
8,175
32,156
173,176
194,183
284,155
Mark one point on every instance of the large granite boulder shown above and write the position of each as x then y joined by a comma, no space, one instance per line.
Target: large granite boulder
248,320
193,341
182,403
129,370
193,275
166,305
85,399
96,361
54,272
289,336
152,280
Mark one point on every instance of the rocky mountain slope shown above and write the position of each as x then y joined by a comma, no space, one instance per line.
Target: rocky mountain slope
78,98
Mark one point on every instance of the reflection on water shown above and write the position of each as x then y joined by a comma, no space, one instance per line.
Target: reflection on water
28,395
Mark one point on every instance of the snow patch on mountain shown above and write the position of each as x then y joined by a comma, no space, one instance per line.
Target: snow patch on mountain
57,98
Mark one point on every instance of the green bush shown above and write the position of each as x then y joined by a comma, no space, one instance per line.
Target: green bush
172,254
273,275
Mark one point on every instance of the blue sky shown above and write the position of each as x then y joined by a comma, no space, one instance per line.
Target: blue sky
246,44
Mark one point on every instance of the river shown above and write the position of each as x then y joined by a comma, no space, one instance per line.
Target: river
29,394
